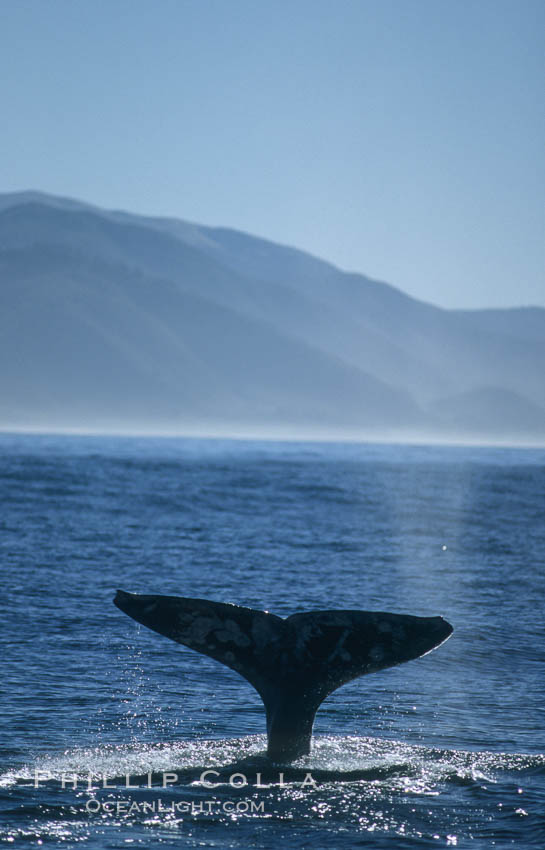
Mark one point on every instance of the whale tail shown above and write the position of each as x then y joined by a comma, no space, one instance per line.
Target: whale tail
293,663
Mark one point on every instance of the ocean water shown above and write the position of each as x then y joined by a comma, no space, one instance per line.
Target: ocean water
447,750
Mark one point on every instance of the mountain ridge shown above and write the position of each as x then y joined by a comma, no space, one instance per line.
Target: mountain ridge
287,340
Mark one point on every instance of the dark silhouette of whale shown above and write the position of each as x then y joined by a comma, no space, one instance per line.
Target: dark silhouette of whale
293,663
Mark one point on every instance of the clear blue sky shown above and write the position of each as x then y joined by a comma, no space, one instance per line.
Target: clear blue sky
400,138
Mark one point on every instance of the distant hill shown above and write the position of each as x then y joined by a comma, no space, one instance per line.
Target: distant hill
116,321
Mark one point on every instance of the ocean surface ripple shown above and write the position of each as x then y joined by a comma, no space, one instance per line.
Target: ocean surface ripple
112,735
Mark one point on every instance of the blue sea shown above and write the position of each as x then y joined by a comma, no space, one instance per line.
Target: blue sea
107,727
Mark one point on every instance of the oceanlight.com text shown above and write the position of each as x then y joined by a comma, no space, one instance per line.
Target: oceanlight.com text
182,807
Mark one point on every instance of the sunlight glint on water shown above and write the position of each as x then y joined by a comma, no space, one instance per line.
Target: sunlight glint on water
444,751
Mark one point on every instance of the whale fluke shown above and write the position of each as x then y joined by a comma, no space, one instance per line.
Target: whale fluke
293,663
